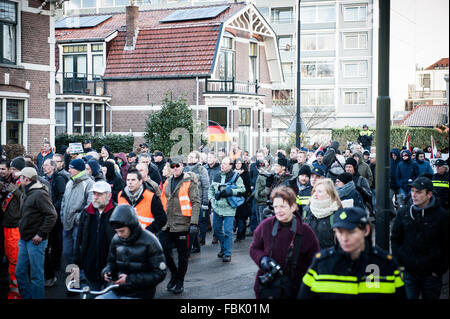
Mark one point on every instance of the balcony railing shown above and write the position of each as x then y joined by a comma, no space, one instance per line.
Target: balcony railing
231,86
427,94
81,83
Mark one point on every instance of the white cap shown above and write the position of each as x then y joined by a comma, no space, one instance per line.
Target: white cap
101,187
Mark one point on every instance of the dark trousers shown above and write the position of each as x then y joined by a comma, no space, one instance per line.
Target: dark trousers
429,285
180,241
53,252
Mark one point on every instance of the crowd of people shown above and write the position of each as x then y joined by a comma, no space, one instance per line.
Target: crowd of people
309,212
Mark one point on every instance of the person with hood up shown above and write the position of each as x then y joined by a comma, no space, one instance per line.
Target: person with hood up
136,261
93,168
115,181
407,171
121,159
348,194
394,160
423,163
318,214
363,169
105,154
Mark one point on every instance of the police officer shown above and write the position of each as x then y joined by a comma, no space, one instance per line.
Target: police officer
352,268
440,182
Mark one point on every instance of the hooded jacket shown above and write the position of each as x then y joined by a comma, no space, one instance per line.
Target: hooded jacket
124,166
420,239
364,169
117,184
77,198
38,215
349,196
393,164
407,171
140,257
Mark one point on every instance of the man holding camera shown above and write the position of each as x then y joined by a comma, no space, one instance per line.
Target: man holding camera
223,212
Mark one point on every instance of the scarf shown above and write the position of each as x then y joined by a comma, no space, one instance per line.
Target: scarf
134,197
322,208
345,190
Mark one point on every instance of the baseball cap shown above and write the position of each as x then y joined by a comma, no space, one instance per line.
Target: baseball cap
101,187
29,172
144,145
440,162
349,218
422,183
318,171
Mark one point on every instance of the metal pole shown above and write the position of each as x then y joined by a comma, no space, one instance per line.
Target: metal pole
383,202
298,127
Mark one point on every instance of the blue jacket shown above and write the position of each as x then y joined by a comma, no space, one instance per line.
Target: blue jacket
407,170
40,161
424,167
393,168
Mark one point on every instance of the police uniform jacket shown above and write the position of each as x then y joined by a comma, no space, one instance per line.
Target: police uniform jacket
334,275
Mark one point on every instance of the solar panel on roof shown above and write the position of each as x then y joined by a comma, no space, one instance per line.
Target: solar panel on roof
194,14
80,22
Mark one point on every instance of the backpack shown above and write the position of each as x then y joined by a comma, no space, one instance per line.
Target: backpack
234,201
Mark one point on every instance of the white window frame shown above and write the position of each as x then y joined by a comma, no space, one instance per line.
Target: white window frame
317,63
359,18
83,125
358,45
316,97
363,69
316,14
316,41
360,94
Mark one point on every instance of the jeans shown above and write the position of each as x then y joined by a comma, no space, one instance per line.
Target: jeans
429,285
261,212
32,256
254,218
69,241
112,295
223,227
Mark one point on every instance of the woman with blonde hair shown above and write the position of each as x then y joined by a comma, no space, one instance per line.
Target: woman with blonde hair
319,212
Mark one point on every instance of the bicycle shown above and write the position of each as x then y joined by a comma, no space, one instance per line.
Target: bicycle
86,291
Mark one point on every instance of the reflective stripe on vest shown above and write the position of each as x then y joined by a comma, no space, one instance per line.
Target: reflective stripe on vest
443,184
351,285
143,208
183,197
303,200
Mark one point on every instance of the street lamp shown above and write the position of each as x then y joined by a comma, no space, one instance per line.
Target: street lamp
298,127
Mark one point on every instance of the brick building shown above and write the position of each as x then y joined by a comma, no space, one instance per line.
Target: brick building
27,73
113,69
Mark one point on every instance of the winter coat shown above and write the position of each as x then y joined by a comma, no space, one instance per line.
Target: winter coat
424,167
160,166
262,241
212,171
203,181
253,174
38,215
440,188
11,215
420,239
176,221
58,186
393,168
117,184
221,206
407,171
140,257
322,227
244,210
365,138
154,174
93,240
364,169
278,180
124,167
77,198
260,190
349,196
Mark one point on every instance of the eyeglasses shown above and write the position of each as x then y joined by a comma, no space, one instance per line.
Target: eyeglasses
174,165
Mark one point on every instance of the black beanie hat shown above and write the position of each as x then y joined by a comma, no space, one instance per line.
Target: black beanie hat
351,161
345,177
282,161
305,170
18,163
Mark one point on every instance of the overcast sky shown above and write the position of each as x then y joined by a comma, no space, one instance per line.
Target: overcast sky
419,35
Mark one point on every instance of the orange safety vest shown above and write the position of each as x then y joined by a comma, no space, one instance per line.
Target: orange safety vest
143,208
183,197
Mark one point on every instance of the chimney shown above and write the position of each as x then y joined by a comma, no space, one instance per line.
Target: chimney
132,16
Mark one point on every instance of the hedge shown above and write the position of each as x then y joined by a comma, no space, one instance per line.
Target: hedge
117,143
13,150
419,137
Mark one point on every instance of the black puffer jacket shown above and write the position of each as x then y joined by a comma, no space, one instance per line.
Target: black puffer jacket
140,257
420,239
